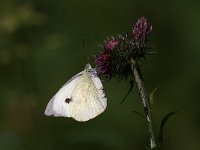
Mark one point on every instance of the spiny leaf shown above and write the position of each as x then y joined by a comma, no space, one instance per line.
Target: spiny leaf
131,84
162,124
139,114
151,95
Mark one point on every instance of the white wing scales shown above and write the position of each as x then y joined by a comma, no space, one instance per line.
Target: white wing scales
57,105
99,87
87,99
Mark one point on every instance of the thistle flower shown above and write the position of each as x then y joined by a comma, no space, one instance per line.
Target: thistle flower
141,30
103,62
117,52
121,56
111,43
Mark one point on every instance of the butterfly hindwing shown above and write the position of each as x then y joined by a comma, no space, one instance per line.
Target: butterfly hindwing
87,99
99,86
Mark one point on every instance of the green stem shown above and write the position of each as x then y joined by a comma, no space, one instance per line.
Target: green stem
145,100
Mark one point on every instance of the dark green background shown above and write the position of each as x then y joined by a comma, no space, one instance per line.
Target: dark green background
41,48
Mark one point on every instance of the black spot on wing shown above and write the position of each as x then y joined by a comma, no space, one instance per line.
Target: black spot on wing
67,100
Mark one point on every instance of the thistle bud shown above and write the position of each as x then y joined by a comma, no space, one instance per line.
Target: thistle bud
141,30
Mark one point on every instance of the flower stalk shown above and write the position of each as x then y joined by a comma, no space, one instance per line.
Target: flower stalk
145,100
122,56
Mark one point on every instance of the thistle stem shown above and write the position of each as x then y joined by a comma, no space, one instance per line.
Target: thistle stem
145,100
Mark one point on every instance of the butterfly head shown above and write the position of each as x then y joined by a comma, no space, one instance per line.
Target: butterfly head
87,67
90,71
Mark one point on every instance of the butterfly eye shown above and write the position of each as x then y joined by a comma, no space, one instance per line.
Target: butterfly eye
67,100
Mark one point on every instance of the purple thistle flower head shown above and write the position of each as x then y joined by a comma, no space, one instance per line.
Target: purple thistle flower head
104,60
103,64
118,52
141,29
111,43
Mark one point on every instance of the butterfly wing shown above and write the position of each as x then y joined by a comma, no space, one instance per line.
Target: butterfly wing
58,106
88,99
81,98
98,85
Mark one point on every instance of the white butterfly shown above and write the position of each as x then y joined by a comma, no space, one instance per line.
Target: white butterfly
81,98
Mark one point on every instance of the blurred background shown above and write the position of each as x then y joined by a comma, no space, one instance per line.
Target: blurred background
41,47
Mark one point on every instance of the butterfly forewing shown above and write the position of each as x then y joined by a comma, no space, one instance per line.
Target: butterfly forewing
58,106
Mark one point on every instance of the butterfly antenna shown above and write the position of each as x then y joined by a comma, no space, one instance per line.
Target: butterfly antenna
83,46
86,59
131,87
